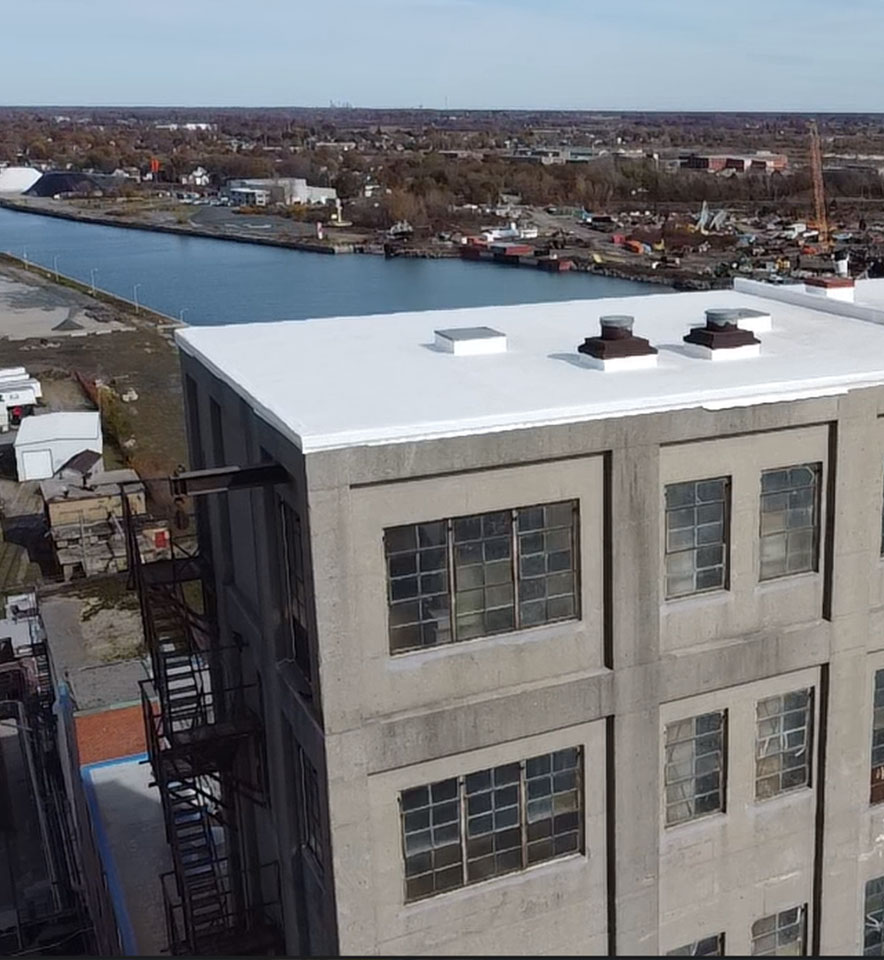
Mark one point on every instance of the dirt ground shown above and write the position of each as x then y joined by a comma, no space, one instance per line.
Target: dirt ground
135,354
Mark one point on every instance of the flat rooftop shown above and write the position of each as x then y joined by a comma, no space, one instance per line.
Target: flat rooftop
352,381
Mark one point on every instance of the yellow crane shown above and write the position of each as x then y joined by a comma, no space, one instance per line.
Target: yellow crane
819,191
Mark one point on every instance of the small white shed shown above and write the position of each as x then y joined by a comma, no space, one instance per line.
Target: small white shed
44,444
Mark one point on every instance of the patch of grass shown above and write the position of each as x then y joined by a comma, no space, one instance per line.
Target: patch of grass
106,593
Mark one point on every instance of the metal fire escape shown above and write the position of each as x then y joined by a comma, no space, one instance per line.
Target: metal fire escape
201,736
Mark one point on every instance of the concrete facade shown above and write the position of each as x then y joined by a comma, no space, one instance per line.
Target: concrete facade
372,724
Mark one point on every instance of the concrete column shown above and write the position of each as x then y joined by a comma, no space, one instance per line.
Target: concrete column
845,791
634,551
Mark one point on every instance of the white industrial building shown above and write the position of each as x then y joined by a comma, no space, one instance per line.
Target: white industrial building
286,190
44,444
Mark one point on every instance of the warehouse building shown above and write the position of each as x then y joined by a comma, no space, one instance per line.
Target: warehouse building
565,636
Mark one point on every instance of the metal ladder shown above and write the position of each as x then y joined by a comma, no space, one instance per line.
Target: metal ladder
197,871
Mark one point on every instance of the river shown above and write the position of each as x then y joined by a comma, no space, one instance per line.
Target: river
215,281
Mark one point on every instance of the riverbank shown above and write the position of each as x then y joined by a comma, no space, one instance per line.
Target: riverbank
186,229
228,229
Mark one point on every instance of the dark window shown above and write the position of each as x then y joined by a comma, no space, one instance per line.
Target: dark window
492,822
696,536
217,434
784,734
877,791
873,926
694,770
311,808
882,532
295,587
452,580
789,520
197,456
707,947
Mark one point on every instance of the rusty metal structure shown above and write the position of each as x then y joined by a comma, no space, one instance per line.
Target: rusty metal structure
204,745
819,191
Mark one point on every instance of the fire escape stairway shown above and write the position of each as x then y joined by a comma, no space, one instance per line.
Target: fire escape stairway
197,870
186,711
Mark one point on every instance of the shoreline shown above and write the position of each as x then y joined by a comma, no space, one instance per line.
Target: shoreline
368,248
161,321
189,230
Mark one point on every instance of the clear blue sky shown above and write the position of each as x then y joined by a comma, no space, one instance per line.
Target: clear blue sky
568,54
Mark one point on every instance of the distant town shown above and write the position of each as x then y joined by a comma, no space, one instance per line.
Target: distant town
687,199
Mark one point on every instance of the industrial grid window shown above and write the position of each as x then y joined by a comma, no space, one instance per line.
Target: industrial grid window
696,536
877,779
784,732
453,580
707,947
873,926
789,520
492,822
882,528
694,773
780,935
311,807
295,587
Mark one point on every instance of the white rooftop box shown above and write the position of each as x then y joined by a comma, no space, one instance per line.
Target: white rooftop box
470,341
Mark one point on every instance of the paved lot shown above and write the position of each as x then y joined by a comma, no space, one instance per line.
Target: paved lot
32,308
128,823
96,648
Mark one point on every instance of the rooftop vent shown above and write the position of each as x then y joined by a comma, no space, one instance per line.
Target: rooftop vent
755,321
470,341
617,348
834,288
722,338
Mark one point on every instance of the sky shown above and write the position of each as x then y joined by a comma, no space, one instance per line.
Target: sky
804,55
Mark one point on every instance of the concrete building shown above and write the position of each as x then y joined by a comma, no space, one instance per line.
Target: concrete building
285,190
566,640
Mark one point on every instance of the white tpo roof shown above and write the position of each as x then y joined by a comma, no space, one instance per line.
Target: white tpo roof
349,381
48,427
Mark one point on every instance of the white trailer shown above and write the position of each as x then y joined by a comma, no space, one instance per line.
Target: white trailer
13,373
19,397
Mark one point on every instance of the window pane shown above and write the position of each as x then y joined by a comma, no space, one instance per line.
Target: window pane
707,947
452,580
431,839
417,584
780,935
694,767
296,588
783,742
310,818
873,926
877,772
483,574
491,822
789,521
696,553
547,545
